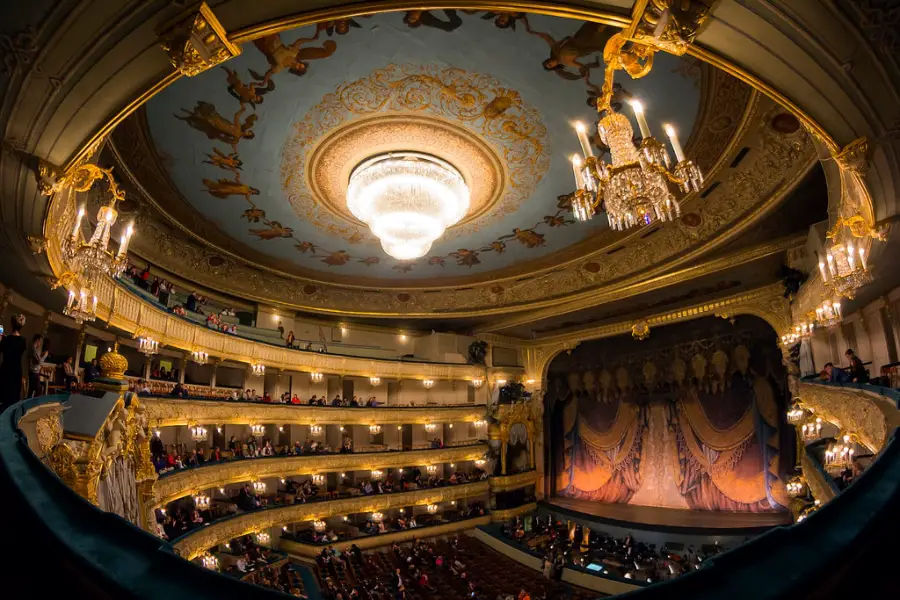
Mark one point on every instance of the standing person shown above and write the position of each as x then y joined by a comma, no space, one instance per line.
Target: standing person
12,347
36,361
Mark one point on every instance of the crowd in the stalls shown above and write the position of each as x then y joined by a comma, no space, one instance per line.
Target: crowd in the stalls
278,577
450,569
564,545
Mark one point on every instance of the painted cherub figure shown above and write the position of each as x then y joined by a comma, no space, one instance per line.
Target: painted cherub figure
293,57
567,55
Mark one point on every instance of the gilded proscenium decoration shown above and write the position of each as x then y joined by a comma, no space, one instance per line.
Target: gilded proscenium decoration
216,533
196,42
872,416
167,412
190,481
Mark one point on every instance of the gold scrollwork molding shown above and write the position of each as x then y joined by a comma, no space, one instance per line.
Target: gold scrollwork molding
79,179
190,481
166,412
196,42
498,516
193,545
870,415
505,483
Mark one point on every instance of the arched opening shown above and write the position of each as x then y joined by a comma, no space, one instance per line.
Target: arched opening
691,418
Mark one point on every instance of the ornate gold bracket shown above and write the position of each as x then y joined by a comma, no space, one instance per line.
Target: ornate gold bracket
640,330
37,244
196,42
79,179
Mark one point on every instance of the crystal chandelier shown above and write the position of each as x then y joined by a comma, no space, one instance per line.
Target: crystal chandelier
800,332
315,430
407,199
841,453
201,501
796,487
377,517
431,468
258,369
374,429
259,486
829,314
797,413
377,473
847,269
479,422
262,538
480,462
319,525
199,433
148,346
812,430
199,357
93,258
430,427
210,562
318,478
636,188
428,383
432,508
477,382
374,381
257,429
316,377
82,306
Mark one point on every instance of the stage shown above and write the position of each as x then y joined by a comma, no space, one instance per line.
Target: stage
650,518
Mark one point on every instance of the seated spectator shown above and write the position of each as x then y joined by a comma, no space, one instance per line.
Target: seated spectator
144,388
71,379
295,399
834,374
337,400
314,400
179,391
92,371
856,370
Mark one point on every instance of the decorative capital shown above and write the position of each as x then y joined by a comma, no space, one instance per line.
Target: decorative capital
197,42
669,25
854,156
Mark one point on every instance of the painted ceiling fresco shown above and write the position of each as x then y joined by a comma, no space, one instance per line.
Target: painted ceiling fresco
263,145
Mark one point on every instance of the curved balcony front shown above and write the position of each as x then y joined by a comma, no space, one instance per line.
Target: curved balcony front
218,532
177,484
168,412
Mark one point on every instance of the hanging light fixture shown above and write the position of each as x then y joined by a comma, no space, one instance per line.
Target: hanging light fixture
479,423
316,377
81,306
148,346
258,369
477,382
374,429
797,413
375,381
480,462
430,427
262,538
199,357
829,314
796,486
812,430
257,429
319,525
315,430
210,562
201,501
800,332
431,468
407,199
846,268
318,478
377,473
377,517
432,508
259,486
428,383
636,188
840,454
93,258
198,433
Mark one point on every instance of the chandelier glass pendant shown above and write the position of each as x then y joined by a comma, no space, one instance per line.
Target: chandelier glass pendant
636,188
408,200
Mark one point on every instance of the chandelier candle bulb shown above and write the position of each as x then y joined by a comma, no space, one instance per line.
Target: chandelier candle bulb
576,168
71,299
676,145
862,258
583,139
78,219
822,270
638,109
830,258
850,258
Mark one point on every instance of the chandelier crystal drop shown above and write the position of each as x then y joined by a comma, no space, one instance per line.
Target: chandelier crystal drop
636,188
408,200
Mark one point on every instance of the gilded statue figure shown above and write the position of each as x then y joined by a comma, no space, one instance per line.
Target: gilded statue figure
206,119
567,55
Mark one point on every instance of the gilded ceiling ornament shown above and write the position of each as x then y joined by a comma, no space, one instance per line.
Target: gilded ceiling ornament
196,41
640,330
